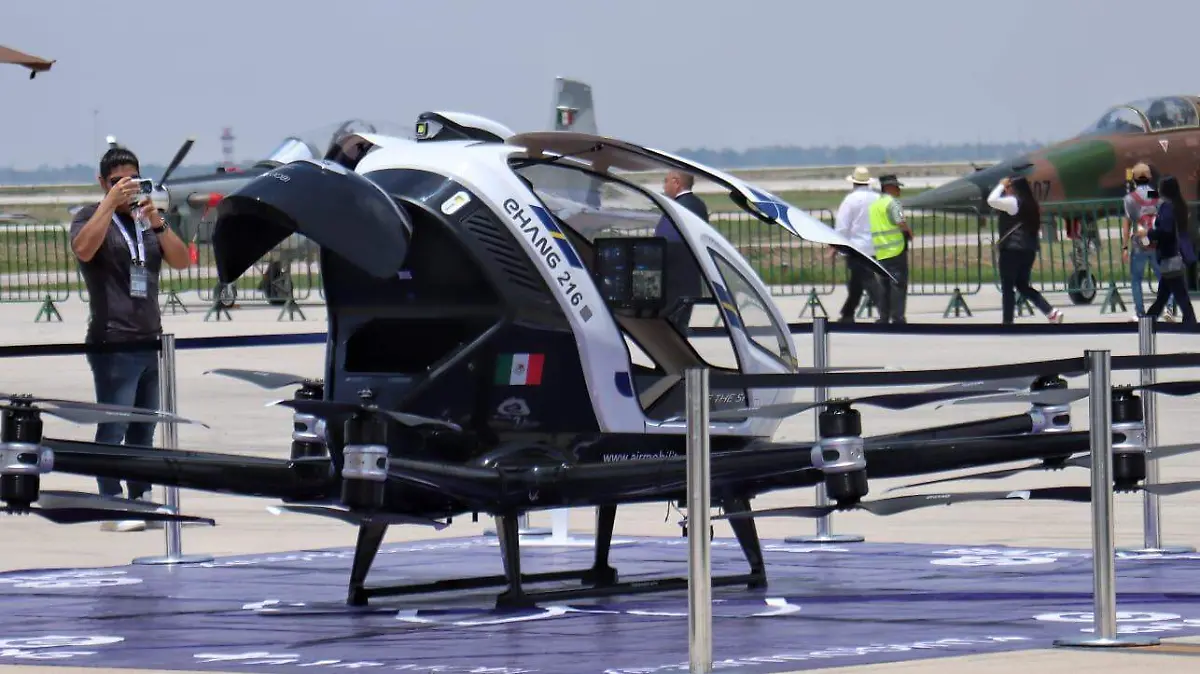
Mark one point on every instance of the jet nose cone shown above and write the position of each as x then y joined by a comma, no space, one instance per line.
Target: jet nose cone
957,193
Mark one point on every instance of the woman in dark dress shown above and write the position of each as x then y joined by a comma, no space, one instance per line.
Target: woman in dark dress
1173,249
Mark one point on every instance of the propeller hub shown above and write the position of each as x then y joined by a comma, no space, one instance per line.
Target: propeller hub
1050,418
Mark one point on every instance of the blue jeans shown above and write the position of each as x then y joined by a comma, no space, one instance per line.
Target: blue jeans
1137,275
129,379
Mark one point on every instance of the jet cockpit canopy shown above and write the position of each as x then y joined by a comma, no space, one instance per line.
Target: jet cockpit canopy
1147,115
319,142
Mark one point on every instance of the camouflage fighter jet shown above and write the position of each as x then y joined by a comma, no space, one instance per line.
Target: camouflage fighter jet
1093,165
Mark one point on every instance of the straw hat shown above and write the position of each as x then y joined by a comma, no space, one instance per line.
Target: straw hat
1141,170
861,176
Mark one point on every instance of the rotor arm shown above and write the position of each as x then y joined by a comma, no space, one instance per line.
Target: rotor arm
900,459
205,471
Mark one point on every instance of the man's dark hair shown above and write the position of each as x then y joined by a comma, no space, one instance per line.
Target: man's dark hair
117,156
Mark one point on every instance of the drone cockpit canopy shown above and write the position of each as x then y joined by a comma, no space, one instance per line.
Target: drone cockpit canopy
459,126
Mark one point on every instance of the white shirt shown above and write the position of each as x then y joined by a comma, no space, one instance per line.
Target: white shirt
1001,201
853,219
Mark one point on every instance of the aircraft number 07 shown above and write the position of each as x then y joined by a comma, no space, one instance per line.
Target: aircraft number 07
565,281
1041,189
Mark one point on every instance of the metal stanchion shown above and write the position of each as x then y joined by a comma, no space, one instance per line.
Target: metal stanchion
700,652
1104,617
820,394
170,440
523,528
1151,516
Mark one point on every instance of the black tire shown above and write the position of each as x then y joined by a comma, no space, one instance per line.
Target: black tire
277,283
225,294
1081,287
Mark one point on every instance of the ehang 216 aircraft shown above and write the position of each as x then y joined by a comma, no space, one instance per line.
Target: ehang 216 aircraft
1092,166
497,345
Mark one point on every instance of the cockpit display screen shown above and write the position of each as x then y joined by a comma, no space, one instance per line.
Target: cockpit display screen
631,272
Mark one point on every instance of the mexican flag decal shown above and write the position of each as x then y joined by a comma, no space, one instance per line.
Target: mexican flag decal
519,369
566,116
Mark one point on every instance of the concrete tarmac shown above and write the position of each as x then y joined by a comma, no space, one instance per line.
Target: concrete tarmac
242,423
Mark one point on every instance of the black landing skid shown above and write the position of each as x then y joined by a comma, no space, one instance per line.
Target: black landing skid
599,581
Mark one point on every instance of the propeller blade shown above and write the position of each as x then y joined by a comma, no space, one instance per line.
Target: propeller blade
902,504
416,420
267,380
177,160
892,401
91,413
1054,396
1172,488
66,507
1164,451
1171,388
324,408
791,511
340,512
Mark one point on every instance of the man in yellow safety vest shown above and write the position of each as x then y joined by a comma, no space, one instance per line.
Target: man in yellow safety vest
890,234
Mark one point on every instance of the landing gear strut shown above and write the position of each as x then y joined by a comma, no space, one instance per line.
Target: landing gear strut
599,581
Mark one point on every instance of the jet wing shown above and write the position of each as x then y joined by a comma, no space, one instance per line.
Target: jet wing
35,64
605,153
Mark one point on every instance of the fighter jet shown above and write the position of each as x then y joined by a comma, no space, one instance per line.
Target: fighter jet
35,64
1093,165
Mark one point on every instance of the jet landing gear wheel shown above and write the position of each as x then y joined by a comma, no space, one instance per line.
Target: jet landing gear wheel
225,295
276,284
1081,286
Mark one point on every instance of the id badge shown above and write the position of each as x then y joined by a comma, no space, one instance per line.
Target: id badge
138,281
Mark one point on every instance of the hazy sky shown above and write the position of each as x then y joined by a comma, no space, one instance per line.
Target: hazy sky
715,73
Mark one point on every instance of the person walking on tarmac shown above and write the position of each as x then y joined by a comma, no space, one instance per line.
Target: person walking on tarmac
1020,225
890,235
853,222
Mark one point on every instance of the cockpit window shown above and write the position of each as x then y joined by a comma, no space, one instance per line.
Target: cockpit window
1150,114
594,206
751,309
1119,120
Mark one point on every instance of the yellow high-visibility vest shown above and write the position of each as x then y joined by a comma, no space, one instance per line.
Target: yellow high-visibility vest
888,238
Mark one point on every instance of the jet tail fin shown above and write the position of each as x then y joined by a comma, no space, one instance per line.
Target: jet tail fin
574,109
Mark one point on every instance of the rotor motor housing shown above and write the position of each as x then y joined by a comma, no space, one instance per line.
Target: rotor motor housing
23,459
310,448
1129,445
1050,418
365,465
839,454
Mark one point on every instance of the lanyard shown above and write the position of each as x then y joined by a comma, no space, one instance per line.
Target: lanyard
138,254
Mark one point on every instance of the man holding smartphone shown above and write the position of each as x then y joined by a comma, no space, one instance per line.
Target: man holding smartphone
121,243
